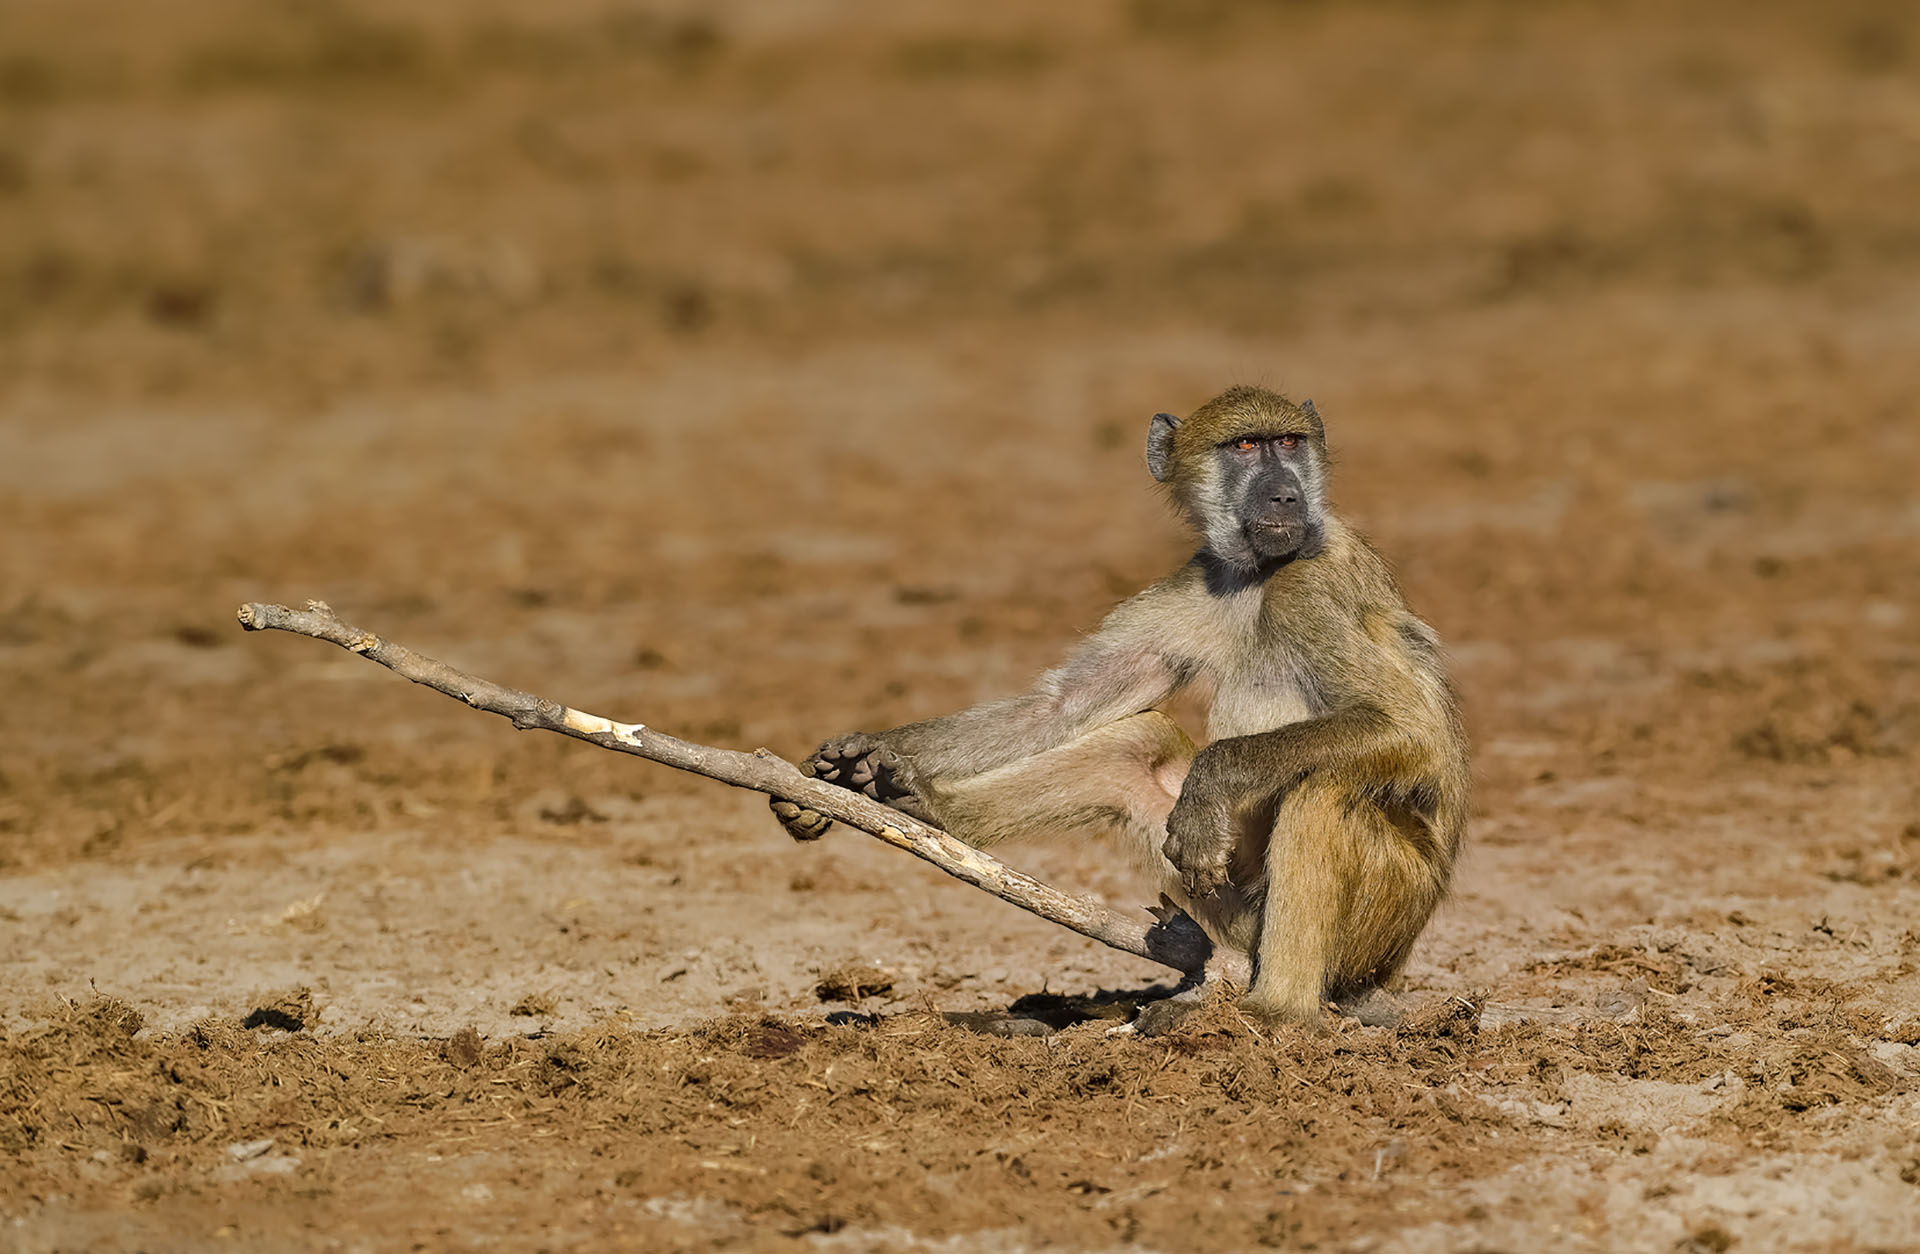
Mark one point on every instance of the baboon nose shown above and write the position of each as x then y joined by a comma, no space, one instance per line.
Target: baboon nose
1286,500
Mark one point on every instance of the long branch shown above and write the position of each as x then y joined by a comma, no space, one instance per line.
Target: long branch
1176,942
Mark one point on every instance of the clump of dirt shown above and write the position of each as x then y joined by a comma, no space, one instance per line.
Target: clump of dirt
464,1049
538,1005
853,983
291,1011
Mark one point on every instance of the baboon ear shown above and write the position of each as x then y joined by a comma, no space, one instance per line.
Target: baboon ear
1160,446
1306,407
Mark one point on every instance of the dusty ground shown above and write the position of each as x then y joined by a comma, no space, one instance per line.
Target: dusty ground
764,370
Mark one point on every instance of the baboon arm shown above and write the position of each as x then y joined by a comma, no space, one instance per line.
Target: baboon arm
1122,669
1239,775
1253,769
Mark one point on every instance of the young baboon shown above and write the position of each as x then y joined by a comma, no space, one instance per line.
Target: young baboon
1318,828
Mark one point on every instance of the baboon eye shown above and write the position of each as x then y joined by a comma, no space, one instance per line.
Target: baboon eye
1289,441
1246,444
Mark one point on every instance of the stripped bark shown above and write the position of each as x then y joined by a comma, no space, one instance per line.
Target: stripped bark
1171,939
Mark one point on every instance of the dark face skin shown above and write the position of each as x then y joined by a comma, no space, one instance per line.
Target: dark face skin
1267,478
1255,492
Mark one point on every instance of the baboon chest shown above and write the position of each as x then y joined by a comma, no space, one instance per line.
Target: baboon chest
1258,699
1258,682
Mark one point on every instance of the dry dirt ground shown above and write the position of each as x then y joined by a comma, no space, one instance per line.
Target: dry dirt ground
771,368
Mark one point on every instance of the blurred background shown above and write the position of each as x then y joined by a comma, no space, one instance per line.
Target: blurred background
765,369
336,197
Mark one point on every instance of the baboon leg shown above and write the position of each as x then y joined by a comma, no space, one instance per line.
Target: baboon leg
1121,778
1117,782
1347,894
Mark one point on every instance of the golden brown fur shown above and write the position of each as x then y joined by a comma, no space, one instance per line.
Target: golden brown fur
1319,827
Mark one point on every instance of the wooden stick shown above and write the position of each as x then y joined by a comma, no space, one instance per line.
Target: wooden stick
1173,940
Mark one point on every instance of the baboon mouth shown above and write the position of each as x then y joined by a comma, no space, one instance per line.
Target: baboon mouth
1271,540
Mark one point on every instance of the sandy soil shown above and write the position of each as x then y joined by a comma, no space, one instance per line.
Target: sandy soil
764,370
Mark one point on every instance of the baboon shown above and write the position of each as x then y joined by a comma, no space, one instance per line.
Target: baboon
1318,829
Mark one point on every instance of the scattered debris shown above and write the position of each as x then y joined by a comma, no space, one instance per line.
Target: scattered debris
289,1012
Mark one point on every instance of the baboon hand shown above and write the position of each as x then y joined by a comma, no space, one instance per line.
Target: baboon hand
1202,828
1199,842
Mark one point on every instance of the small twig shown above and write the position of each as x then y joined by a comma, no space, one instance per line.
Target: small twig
1175,942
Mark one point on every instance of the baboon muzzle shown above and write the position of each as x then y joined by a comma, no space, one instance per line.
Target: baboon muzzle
1276,515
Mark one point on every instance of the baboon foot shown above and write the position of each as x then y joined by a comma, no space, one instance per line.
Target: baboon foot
859,763
800,822
1375,1008
864,764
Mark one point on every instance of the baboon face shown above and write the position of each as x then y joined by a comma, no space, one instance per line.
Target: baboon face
1249,469
1263,479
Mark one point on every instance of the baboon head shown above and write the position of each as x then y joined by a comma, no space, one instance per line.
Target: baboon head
1249,469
